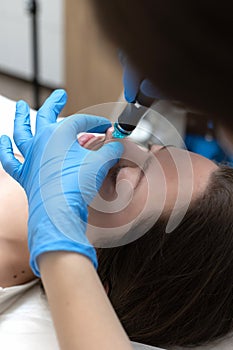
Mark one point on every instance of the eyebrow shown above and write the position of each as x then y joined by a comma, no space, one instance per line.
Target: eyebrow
151,157
165,147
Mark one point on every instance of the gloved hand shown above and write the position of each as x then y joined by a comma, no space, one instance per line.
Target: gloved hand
59,176
137,87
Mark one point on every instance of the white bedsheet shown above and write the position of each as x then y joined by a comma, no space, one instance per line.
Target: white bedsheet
25,320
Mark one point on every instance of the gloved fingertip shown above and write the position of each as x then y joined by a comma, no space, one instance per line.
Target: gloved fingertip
22,107
129,97
59,94
117,148
5,141
122,57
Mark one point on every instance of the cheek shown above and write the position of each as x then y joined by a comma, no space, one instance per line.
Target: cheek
156,191
144,207
147,201
129,206
105,229
125,211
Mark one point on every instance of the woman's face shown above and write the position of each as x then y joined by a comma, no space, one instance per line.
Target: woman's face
143,185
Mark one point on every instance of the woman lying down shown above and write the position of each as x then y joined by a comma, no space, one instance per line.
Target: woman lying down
173,285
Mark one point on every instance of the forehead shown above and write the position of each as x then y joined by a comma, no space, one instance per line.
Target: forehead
178,163
183,157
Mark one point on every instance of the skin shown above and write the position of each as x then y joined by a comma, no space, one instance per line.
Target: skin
147,195
14,254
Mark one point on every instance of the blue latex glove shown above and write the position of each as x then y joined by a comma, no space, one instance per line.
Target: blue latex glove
134,83
59,176
208,148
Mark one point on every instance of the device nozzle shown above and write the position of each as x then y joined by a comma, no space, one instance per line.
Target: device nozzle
119,132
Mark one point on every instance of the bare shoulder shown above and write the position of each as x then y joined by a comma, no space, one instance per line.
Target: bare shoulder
14,255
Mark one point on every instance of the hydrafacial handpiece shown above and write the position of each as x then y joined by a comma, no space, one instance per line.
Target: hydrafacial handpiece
134,111
128,120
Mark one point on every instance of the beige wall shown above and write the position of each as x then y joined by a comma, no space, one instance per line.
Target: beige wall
92,72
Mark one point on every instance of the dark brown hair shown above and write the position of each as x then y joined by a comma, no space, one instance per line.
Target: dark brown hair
184,47
177,288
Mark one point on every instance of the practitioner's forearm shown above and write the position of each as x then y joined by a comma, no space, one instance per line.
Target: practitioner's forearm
83,316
